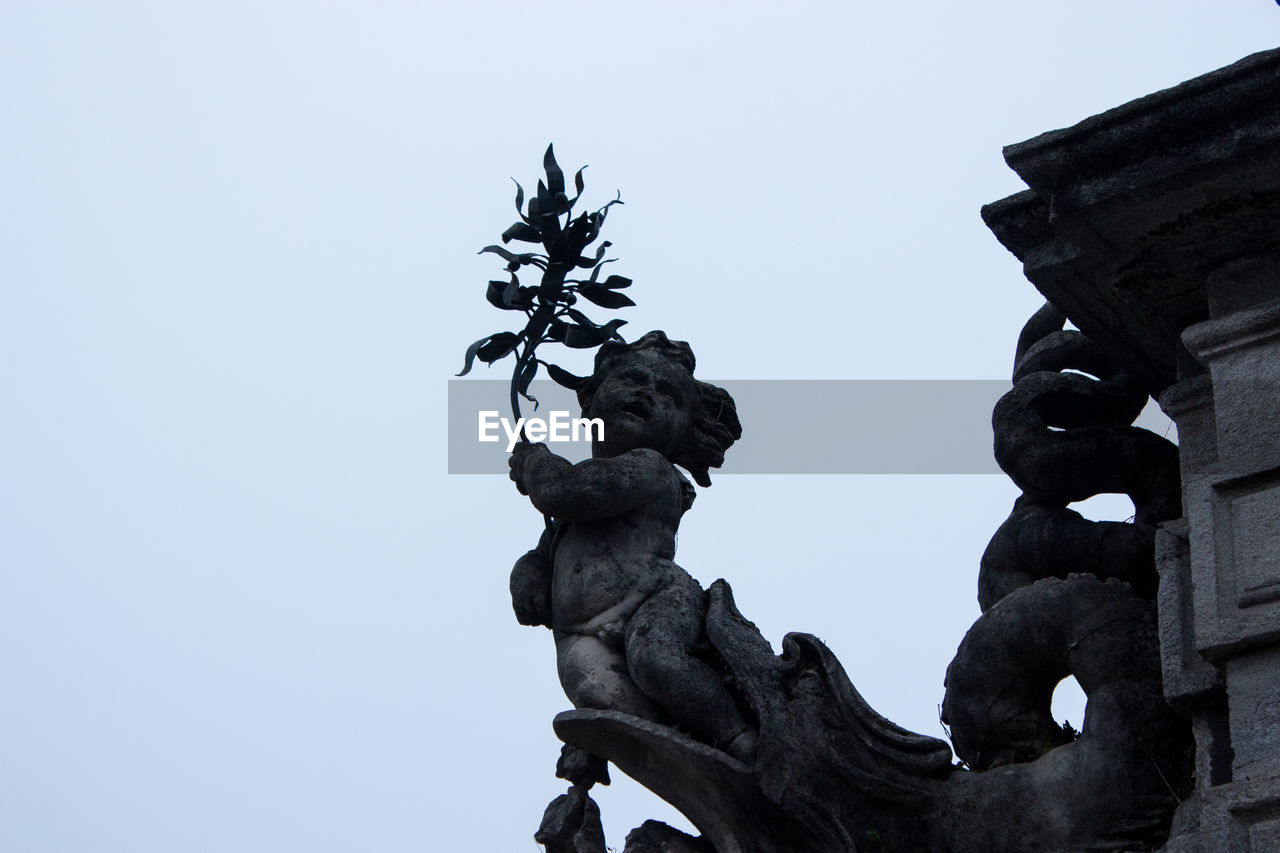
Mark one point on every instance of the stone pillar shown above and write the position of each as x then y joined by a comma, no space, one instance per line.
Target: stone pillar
1191,683
1233,510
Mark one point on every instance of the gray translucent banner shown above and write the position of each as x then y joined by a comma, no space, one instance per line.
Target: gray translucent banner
789,426
842,426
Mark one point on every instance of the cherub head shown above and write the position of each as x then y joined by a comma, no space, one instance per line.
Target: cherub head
647,397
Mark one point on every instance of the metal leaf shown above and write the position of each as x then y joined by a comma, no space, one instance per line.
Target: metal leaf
578,337
556,330
564,378
475,348
522,231
515,260
523,298
555,176
519,198
505,295
524,378
499,346
595,272
612,328
506,255
587,263
602,211
605,298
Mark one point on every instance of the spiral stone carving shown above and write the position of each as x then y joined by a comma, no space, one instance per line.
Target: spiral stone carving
1064,434
1062,595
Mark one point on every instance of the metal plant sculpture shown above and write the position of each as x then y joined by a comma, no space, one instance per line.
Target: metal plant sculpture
549,220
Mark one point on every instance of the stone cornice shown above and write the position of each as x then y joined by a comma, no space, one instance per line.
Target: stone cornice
1129,212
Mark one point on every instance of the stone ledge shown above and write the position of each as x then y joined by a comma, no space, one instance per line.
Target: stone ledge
1131,211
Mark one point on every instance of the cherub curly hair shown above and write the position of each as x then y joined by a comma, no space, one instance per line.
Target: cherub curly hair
715,423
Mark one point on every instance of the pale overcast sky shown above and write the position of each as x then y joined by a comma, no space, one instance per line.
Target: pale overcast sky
242,605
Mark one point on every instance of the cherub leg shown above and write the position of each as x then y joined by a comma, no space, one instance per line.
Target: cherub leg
594,675
659,645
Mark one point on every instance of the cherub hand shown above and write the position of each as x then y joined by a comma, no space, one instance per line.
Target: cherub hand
520,456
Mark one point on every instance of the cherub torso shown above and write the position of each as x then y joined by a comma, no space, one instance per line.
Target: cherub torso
606,568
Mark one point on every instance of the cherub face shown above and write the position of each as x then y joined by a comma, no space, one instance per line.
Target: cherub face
645,400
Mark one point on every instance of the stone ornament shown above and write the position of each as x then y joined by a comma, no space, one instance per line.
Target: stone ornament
765,752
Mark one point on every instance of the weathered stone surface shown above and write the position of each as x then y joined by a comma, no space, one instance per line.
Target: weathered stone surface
653,836
824,757
1156,228
581,768
1129,211
626,619
832,775
1255,714
1189,679
571,824
1064,434
767,753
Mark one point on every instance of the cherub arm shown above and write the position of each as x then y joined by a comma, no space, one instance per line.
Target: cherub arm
591,489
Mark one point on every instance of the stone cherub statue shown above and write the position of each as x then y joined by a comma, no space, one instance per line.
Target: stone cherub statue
627,620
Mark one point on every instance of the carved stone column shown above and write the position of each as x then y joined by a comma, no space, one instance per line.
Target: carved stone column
1234,516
